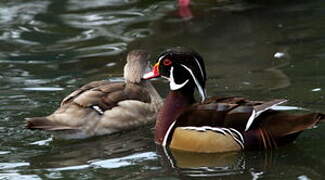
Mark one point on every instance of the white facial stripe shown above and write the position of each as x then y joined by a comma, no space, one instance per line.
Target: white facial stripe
199,87
198,64
172,83
161,58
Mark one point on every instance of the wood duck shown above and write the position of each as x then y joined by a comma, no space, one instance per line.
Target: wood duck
104,107
217,124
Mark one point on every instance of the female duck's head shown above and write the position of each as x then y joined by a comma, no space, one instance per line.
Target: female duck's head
137,62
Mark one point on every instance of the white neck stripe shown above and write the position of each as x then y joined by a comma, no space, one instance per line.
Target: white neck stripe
201,70
199,87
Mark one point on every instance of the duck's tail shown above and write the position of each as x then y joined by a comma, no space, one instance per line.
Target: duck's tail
43,123
320,117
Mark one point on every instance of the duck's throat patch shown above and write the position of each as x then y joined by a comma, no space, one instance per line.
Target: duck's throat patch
173,85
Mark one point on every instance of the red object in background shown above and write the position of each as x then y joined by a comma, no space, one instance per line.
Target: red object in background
184,9
183,3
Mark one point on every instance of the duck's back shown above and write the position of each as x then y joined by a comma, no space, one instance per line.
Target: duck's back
99,107
106,95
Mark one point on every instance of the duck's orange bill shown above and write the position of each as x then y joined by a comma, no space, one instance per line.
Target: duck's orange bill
154,73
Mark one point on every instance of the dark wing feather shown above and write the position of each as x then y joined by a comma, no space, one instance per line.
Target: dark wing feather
229,112
106,94
204,115
281,123
276,128
82,89
238,117
261,127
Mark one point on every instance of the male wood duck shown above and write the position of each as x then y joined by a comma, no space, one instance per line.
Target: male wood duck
217,124
104,107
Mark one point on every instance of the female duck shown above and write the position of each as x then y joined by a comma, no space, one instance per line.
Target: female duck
104,107
217,124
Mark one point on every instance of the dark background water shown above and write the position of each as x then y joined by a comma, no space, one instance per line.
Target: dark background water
50,47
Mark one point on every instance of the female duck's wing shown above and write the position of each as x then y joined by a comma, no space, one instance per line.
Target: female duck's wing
92,103
84,88
106,95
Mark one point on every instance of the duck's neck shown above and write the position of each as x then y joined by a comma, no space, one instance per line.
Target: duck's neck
156,99
175,103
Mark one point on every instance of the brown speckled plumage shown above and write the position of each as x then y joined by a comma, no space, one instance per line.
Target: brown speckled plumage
104,107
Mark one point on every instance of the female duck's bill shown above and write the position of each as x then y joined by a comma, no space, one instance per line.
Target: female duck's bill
217,124
104,107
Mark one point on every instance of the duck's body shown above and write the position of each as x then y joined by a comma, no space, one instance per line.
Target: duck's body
217,124
104,107
234,124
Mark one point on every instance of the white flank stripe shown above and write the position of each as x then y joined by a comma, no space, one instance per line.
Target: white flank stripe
239,134
235,137
199,87
238,142
228,131
217,130
232,132
205,128
172,83
194,128
167,134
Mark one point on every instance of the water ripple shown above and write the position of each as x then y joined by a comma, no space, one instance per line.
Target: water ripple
17,176
124,161
13,165
74,5
43,89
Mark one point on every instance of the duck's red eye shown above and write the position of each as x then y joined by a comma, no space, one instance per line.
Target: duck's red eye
167,62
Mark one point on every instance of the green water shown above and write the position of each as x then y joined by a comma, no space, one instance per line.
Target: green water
50,47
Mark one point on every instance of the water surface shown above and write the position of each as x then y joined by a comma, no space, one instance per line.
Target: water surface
50,47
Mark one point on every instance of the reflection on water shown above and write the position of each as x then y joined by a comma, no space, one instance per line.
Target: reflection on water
50,47
278,164
202,165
